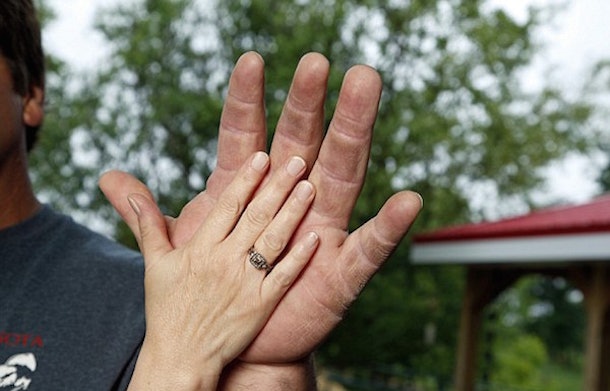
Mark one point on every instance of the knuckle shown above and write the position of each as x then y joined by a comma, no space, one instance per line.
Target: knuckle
257,216
230,206
273,242
280,279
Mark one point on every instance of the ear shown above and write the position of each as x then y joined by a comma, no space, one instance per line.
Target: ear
33,107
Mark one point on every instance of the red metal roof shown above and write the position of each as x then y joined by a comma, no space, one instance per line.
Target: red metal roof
593,216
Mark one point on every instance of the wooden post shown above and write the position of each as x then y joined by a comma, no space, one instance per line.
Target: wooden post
470,324
482,286
596,345
605,355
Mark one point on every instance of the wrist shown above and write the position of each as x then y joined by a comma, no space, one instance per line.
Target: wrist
162,369
294,376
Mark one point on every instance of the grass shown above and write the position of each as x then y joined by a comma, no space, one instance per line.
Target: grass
562,378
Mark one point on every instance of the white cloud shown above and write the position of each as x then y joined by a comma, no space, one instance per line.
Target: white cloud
71,36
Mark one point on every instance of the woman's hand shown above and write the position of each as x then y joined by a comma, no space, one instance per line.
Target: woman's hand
205,301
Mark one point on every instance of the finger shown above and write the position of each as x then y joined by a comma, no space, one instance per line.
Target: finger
274,239
243,131
243,126
367,248
117,186
152,238
301,125
263,208
341,166
285,273
233,201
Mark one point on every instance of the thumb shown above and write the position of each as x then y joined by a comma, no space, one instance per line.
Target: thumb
117,186
373,243
152,229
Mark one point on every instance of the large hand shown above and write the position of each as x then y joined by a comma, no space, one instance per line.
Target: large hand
343,263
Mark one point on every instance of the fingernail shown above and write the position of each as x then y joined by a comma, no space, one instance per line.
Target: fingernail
259,162
304,190
295,166
134,205
311,240
421,200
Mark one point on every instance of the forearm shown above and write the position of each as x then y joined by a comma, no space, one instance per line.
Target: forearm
297,376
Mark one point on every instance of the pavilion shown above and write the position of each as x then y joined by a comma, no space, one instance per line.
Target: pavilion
569,241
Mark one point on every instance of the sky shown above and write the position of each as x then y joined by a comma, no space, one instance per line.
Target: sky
578,37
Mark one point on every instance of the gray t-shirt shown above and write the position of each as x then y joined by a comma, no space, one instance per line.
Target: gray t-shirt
71,307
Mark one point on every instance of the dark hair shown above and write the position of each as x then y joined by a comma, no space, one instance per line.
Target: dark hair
21,47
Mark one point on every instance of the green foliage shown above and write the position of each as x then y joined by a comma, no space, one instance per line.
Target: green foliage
533,331
151,109
45,14
58,179
454,119
598,85
549,308
518,361
562,378
400,319
560,319
604,178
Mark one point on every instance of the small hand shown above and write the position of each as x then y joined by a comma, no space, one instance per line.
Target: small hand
205,300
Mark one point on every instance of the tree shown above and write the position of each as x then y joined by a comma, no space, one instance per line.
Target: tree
454,120
560,319
548,307
152,109
518,362
538,322
604,178
598,86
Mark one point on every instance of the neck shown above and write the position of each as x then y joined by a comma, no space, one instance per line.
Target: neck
17,198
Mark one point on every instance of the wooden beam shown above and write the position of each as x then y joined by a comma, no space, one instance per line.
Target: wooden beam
483,285
597,296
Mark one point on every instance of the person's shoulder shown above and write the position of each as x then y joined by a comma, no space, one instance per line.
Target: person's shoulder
101,247
113,272
76,240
